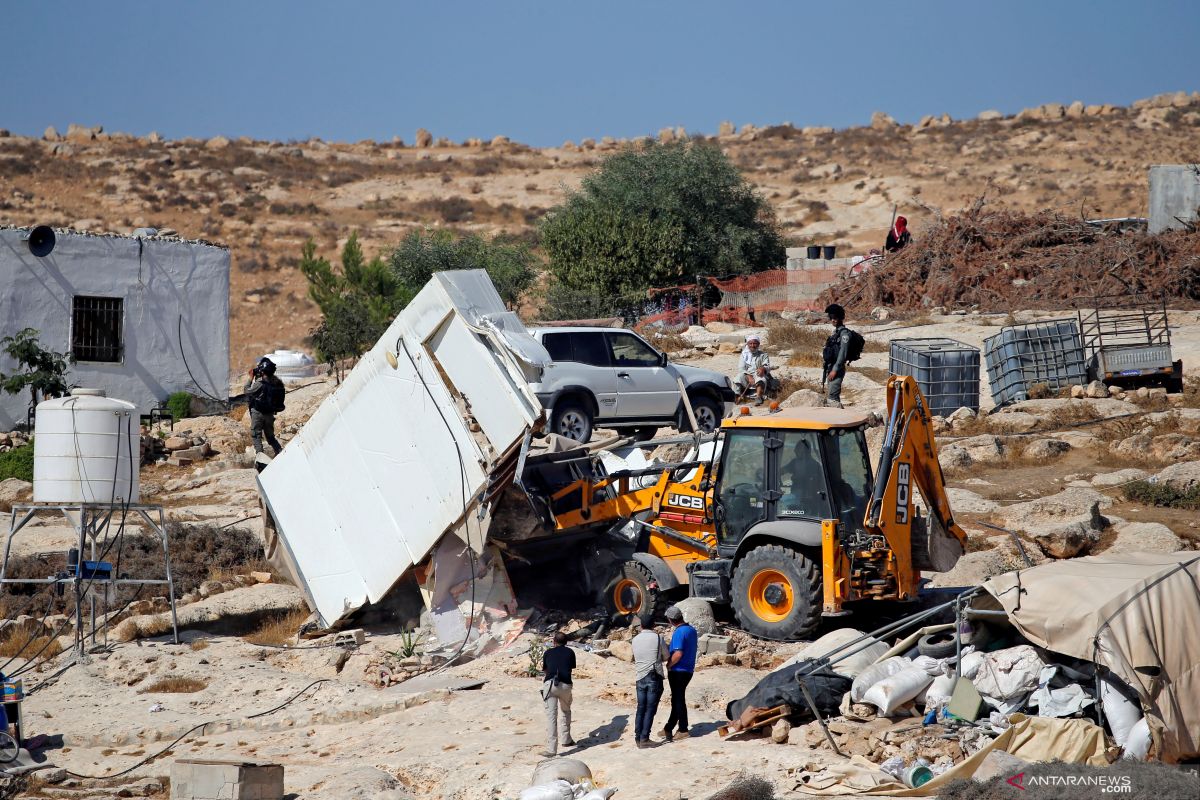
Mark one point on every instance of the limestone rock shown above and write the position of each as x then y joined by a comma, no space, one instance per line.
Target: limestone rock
1064,525
1119,477
1137,446
961,415
1014,421
1096,390
803,398
1075,110
81,134
989,115
1181,477
880,313
622,651
1175,447
51,134
14,490
698,613
964,501
217,143
424,138
1077,391
1046,449
831,170
984,449
881,121
780,731
218,612
1145,537
726,129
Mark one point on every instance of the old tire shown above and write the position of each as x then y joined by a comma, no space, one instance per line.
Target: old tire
634,592
777,593
708,414
572,419
943,644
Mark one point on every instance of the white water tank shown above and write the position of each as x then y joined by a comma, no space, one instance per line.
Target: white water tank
86,449
292,365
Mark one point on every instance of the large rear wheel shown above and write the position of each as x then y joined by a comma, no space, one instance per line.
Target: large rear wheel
777,593
634,592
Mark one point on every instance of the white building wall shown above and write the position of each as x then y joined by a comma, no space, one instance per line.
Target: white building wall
159,280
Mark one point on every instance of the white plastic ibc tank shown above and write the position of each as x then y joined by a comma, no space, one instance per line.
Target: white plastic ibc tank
86,449
293,365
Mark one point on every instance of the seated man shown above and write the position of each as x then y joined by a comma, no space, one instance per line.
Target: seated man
754,369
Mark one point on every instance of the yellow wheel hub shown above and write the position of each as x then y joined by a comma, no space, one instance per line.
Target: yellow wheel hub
627,596
770,595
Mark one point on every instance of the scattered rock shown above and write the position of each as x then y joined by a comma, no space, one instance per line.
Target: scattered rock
424,138
1045,449
1064,525
964,501
51,134
803,398
14,490
1096,390
989,115
622,651
1181,477
698,613
1119,477
961,414
1014,421
882,122
1077,391
831,170
1145,537
780,731
880,313
217,143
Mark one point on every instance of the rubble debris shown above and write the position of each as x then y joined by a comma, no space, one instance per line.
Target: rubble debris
997,260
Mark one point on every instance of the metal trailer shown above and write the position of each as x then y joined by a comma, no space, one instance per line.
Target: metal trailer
1128,342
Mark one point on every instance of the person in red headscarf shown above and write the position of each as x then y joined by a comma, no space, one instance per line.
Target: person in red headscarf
898,236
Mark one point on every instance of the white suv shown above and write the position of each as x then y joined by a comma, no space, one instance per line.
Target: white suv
612,378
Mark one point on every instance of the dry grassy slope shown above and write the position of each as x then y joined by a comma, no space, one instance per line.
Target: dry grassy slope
264,199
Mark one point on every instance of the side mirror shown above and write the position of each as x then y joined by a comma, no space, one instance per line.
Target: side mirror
662,359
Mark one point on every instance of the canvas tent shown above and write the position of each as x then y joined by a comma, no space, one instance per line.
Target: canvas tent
1136,614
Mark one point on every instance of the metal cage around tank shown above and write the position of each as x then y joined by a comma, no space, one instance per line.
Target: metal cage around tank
947,371
1020,357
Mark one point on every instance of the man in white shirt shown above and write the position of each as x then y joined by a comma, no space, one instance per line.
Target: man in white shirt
649,653
754,369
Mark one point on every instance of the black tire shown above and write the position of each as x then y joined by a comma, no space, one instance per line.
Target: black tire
708,414
573,419
9,749
633,592
644,434
759,575
938,645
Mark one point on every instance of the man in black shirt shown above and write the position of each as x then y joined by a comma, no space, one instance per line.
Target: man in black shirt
557,663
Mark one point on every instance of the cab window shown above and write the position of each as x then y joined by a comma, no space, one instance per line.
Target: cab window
802,478
740,498
558,345
630,351
849,475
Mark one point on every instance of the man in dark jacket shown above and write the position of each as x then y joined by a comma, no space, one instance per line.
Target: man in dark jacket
898,236
265,394
834,355
557,664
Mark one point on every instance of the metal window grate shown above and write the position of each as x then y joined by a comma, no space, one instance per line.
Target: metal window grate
96,328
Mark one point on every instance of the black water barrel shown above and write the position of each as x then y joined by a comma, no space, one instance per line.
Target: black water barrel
814,251
830,250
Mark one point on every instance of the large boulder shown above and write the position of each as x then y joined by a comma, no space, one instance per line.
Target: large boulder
1181,477
1013,422
984,449
1119,477
14,490
804,398
698,613
1145,537
964,501
1045,449
1064,525
1175,447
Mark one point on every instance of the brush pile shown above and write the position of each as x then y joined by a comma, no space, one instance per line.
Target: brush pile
999,260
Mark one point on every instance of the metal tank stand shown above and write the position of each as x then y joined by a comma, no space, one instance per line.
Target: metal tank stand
93,525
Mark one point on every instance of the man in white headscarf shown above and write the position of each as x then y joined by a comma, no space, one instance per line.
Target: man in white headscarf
754,369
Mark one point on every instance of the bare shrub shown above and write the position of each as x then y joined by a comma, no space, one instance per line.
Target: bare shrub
175,684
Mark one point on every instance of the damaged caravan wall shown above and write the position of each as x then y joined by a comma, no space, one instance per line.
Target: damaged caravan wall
425,430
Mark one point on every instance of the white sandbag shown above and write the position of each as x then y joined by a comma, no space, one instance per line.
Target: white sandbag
848,667
571,770
937,694
1007,677
557,790
875,673
1122,713
934,666
894,691
600,794
970,665
1137,745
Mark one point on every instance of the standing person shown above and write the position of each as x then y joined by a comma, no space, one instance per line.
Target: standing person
649,653
265,394
680,666
557,663
754,369
835,355
898,236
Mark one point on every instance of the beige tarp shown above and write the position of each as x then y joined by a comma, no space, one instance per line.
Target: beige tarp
1138,614
1075,741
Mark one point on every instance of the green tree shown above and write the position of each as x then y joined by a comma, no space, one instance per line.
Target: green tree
658,215
357,301
512,267
43,372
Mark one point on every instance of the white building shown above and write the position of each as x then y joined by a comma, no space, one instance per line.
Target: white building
143,316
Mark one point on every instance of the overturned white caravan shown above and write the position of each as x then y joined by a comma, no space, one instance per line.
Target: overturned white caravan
407,453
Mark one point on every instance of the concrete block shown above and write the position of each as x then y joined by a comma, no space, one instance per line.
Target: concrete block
350,638
711,644
211,779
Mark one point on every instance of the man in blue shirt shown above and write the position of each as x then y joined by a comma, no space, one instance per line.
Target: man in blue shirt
680,666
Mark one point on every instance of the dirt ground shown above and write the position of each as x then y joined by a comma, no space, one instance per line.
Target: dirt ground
473,731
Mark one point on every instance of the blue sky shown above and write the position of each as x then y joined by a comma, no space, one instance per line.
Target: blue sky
543,72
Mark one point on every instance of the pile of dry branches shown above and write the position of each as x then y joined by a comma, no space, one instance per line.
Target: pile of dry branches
997,260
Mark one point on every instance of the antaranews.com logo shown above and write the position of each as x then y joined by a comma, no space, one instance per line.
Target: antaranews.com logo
1106,784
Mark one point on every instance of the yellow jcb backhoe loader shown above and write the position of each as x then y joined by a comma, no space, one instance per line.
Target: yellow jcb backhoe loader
783,522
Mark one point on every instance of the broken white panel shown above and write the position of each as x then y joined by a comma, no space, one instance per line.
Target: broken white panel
403,450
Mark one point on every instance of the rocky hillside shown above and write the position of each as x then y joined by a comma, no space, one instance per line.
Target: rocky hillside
263,199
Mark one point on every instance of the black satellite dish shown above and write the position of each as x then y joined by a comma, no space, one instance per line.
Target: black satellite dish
41,241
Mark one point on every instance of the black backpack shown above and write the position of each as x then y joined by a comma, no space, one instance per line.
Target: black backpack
855,348
275,393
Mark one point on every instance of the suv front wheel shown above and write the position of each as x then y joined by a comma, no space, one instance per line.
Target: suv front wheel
708,413
572,419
